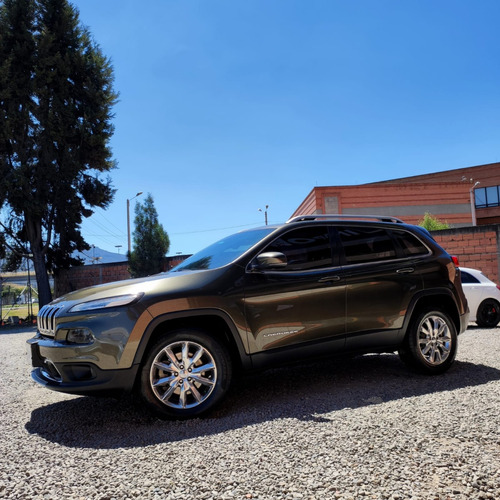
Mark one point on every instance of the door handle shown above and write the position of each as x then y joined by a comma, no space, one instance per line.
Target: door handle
406,270
327,279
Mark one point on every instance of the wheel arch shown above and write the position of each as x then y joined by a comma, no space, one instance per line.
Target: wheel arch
213,321
434,299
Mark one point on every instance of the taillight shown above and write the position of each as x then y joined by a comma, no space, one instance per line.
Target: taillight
455,260
498,286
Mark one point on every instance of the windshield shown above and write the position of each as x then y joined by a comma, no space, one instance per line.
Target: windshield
224,251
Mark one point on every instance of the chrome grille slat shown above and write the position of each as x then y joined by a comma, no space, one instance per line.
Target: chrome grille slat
46,320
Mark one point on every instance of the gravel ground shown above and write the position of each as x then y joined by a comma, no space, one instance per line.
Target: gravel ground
362,429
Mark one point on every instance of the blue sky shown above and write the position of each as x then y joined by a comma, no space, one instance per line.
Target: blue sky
226,106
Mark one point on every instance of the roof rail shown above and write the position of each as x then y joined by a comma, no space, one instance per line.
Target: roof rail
381,218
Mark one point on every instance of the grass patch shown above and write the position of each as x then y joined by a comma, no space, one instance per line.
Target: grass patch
19,310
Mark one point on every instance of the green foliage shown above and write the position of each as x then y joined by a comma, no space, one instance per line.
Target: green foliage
432,223
56,98
10,293
151,242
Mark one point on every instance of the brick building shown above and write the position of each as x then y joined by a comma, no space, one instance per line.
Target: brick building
455,196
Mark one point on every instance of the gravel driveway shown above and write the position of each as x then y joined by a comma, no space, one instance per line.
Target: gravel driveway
365,428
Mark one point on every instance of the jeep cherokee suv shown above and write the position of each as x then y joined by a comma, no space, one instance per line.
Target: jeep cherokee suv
316,286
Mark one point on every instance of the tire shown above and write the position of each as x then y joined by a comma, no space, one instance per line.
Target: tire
186,373
488,314
430,345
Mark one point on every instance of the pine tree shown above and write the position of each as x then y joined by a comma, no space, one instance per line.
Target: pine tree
151,242
56,98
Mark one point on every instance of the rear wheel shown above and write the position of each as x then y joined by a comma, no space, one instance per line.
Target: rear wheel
186,373
488,314
431,343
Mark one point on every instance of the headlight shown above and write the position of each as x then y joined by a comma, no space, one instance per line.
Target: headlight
80,336
121,300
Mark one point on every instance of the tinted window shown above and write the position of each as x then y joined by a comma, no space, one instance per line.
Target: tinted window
305,248
468,278
410,244
366,245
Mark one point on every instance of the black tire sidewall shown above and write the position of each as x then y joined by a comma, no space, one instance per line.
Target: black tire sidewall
479,317
224,373
413,352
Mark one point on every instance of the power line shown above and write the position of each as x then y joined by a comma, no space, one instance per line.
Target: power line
100,213
217,229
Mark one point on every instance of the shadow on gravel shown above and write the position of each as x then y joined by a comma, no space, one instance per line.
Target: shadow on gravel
304,392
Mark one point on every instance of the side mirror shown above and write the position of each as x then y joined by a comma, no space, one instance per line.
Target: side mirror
270,260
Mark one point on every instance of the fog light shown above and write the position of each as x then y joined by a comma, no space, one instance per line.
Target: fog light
80,336
79,372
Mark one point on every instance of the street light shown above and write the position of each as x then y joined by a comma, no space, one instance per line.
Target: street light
473,203
265,213
128,219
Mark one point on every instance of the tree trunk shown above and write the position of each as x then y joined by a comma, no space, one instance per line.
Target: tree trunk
42,278
34,230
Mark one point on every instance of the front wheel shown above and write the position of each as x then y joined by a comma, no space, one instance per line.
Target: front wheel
488,314
186,373
431,343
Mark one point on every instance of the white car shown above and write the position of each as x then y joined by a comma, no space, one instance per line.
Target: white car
483,297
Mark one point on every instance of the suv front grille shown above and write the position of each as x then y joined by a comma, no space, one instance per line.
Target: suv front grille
46,320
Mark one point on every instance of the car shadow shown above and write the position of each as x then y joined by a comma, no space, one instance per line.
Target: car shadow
306,392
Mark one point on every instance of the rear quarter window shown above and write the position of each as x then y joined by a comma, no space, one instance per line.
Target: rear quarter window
466,277
410,244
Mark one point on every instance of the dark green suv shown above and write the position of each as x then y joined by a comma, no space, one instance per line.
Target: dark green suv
315,286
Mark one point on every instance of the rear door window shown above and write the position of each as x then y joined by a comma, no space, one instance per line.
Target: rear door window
366,244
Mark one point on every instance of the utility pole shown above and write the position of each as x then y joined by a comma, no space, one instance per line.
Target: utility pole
265,213
473,203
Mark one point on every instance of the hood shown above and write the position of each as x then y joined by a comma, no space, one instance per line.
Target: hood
151,285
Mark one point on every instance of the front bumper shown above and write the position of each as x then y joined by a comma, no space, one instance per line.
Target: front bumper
77,377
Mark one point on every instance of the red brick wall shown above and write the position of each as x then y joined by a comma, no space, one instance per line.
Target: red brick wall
476,247
399,197
74,278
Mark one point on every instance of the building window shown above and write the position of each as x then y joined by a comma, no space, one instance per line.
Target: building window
487,197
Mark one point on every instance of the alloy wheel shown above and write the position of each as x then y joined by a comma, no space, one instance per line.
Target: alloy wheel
434,340
183,375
